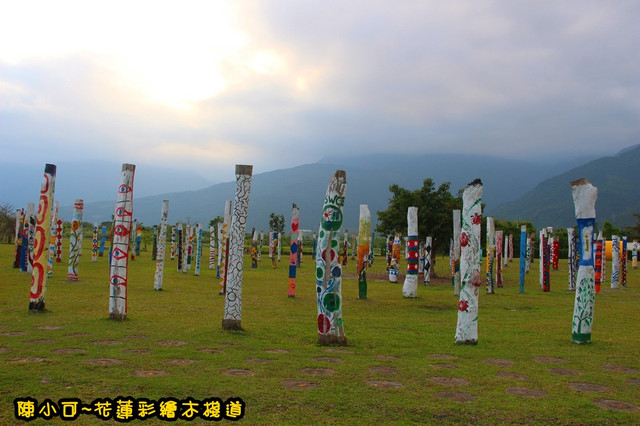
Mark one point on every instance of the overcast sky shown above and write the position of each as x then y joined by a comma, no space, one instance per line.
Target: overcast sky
205,85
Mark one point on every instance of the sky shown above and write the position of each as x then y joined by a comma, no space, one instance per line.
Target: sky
205,85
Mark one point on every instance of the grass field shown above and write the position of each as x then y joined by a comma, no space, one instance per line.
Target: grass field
401,364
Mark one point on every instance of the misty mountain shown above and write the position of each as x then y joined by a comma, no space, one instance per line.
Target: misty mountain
550,203
368,180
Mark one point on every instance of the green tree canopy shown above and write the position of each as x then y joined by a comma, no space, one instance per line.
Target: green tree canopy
276,222
633,232
435,216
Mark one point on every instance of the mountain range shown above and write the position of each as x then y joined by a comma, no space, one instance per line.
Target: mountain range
536,191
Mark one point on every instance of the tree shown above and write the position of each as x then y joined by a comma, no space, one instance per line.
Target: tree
7,222
633,232
434,213
214,222
608,230
276,222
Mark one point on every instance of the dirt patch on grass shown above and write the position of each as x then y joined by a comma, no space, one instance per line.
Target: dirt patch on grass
338,351
181,361
444,365
620,369
136,336
149,373
106,342
383,369
13,333
549,360
211,351
277,351
258,360
3,350
172,342
298,384
49,327
40,341
450,381
456,396
526,392
78,334
499,362
565,371
442,356
317,371
328,359
66,351
103,361
238,372
634,382
611,404
386,357
511,375
439,307
383,384
588,387
27,359
136,351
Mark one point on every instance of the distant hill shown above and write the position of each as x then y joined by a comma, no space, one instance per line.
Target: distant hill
550,203
368,180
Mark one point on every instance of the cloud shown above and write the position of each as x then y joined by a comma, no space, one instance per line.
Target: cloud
284,82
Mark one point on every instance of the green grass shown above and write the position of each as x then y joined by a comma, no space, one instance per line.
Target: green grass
511,326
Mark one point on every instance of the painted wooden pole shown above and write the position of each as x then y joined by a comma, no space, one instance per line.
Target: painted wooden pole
584,200
597,264
198,249
511,249
94,244
467,327
75,240
505,252
546,268
212,247
300,248
233,296
371,256
634,254
293,253
260,246
31,239
345,247
58,231
527,266
572,257
162,237
428,248
623,263
421,258
52,240
395,259
491,254
363,249
121,235
254,248
604,259
18,238
38,291
314,248
328,268
220,250
138,239
103,241
24,259
279,246
173,242
190,260
410,286
499,257
226,225
456,252
154,244
389,248
556,252
274,248
179,250
523,256
615,261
